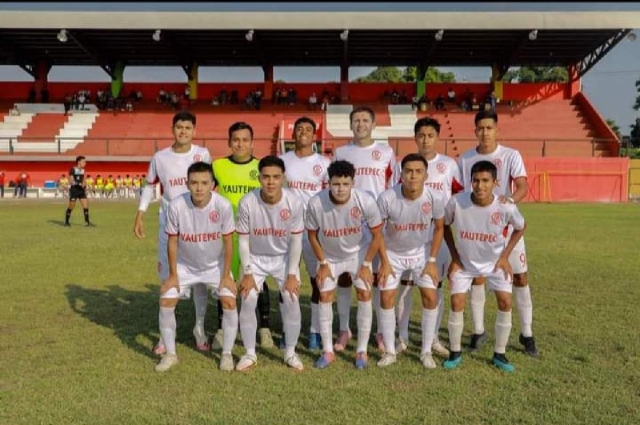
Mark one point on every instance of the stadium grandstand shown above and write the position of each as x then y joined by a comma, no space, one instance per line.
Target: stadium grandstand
560,133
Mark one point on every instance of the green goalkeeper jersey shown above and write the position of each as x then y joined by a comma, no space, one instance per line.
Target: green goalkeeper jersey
235,179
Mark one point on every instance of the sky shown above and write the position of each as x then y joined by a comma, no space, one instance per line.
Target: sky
610,84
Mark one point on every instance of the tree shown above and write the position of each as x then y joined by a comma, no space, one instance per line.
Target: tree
537,74
635,134
392,74
614,127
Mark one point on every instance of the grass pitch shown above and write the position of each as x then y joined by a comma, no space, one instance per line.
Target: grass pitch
78,319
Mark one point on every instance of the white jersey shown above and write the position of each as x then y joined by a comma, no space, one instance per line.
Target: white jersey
306,176
200,232
170,170
269,226
340,227
408,222
443,176
374,165
480,231
508,162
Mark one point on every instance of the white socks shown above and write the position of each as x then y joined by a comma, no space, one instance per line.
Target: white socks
429,318
200,299
344,306
314,328
477,308
440,308
365,317
229,329
167,325
503,330
405,302
292,322
249,322
387,325
325,320
456,323
525,309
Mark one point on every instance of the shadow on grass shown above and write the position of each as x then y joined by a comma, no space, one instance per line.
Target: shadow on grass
56,222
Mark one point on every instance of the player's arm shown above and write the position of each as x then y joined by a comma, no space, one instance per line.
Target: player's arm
295,251
172,254
145,200
517,222
385,267
521,189
226,279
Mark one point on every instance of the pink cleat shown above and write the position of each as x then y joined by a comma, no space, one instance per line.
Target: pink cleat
380,342
343,340
159,349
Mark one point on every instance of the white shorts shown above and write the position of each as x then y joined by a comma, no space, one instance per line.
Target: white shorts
309,258
350,265
413,266
461,281
187,283
269,265
163,239
443,260
518,258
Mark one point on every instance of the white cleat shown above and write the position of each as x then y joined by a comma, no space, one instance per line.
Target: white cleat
439,349
226,363
246,363
167,363
427,361
266,340
216,342
401,346
387,360
294,362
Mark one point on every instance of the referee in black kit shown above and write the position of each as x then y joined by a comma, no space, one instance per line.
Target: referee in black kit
78,191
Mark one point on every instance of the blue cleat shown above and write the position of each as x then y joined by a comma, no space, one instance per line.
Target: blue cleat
325,360
314,341
362,361
501,362
455,358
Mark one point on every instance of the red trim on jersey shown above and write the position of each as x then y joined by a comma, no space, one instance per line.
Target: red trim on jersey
240,233
230,233
456,187
297,233
374,228
172,234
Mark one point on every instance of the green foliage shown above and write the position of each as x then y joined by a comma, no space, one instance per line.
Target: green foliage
637,105
393,74
537,74
614,127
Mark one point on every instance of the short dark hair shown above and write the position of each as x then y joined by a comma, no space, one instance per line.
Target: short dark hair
362,109
482,115
79,158
341,168
414,157
482,166
303,120
200,167
426,122
271,161
239,125
184,116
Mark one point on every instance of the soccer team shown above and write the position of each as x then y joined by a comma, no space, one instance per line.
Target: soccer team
361,220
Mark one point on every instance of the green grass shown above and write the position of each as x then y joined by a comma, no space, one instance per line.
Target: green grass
78,319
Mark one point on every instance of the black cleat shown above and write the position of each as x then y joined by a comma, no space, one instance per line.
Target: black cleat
67,225
477,341
88,224
529,345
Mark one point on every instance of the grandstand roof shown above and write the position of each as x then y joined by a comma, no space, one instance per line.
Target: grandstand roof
311,38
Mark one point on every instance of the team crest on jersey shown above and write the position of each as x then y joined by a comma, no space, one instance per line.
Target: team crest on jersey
496,218
497,162
355,212
254,174
376,154
197,157
317,169
285,214
426,207
441,167
214,216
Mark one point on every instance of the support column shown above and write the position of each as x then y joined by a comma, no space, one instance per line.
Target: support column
421,81
267,93
496,81
117,79
344,82
42,69
192,77
574,85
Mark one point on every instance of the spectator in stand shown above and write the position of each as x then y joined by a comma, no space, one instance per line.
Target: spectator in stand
404,98
2,183
451,95
187,92
32,95
129,106
15,111
224,96
23,180
162,96
67,104
138,96
313,102
81,100
440,103
325,103
235,98
44,96
284,95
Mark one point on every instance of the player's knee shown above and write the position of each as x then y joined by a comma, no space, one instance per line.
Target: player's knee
168,302
458,302
388,298
504,301
327,297
363,295
520,280
429,298
228,303
344,280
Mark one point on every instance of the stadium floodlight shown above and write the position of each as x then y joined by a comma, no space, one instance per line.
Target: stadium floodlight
156,35
344,35
62,36
439,35
249,35
533,35
632,36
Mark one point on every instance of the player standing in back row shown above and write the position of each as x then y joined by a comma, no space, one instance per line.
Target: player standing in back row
511,169
306,174
169,168
374,164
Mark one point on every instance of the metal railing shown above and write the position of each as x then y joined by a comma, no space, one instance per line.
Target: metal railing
132,146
